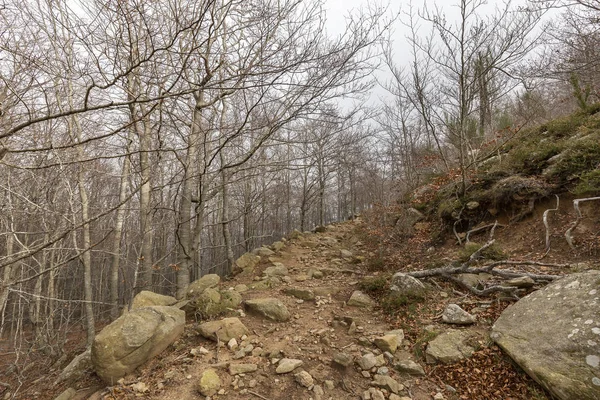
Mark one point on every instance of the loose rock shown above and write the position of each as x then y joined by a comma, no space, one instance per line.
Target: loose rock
453,314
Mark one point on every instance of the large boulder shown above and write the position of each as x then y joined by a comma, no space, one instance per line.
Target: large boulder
247,261
146,298
135,338
554,335
270,308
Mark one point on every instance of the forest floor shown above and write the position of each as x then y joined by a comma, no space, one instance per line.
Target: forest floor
348,260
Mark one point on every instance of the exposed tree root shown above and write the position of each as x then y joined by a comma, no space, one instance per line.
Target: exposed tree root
449,271
569,232
547,224
491,227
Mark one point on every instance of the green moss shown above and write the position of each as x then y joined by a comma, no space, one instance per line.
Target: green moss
375,284
532,157
581,157
589,183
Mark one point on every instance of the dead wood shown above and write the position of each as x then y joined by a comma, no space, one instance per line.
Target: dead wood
447,272
547,224
491,227
569,232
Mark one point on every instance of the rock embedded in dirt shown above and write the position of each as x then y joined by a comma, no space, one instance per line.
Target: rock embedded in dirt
133,339
315,273
367,361
449,347
407,285
343,359
388,383
360,299
68,394
399,335
278,269
554,335
210,383
241,288
303,378
409,367
270,308
286,365
346,253
226,329
522,282
247,261
300,293
453,314
278,246
236,369
373,394
146,298
387,343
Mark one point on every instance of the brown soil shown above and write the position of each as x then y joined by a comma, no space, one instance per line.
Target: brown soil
320,328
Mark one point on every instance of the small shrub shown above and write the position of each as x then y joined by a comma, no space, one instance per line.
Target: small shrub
494,252
532,158
583,156
566,126
374,285
375,264
395,303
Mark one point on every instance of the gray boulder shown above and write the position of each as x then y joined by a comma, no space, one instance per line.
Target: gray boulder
554,335
247,261
453,314
407,285
135,338
270,308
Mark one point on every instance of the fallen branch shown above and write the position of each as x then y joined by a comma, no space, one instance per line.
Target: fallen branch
447,272
547,225
568,233
260,396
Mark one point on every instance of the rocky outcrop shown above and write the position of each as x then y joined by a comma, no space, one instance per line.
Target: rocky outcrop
133,339
198,286
554,335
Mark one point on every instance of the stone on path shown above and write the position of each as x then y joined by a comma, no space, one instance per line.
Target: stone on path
554,335
270,308
303,378
288,365
278,269
449,347
343,359
236,369
133,339
300,293
409,367
360,299
453,314
388,383
210,383
367,361
226,329
247,261
522,282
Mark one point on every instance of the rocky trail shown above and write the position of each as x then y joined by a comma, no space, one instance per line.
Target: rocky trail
296,323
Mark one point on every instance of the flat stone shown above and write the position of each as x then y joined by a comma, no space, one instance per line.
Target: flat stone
277,269
146,298
247,261
288,365
449,347
236,369
68,394
399,334
300,293
388,383
360,299
270,308
210,383
409,367
523,282
453,314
